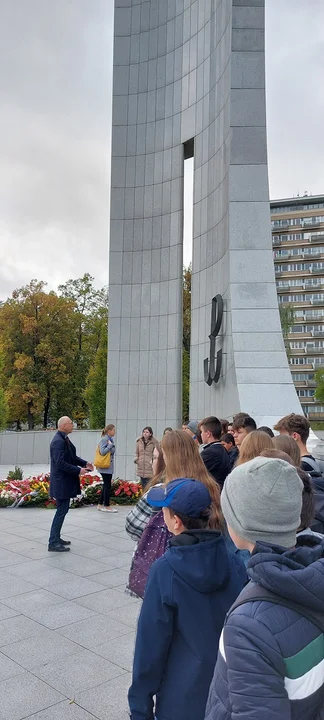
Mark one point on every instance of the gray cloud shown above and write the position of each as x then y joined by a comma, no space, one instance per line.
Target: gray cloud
55,90
295,96
55,86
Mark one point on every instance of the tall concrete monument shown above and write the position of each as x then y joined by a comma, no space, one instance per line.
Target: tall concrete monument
189,80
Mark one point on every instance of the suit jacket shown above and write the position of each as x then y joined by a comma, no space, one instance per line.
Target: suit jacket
65,468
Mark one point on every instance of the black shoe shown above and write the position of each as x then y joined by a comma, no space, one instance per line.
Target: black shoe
58,548
65,542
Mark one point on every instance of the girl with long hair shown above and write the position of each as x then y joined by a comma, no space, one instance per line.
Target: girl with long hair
182,460
253,444
287,444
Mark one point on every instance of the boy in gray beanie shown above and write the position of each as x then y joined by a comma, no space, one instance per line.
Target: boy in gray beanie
271,652
262,501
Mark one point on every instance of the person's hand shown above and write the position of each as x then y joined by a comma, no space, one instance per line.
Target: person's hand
89,466
83,471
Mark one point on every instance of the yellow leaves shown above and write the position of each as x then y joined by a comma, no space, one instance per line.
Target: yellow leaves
23,362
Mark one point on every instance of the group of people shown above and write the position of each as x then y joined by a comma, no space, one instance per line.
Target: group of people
229,562
231,574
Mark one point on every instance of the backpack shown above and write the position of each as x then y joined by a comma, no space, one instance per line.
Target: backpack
315,464
317,476
151,546
253,592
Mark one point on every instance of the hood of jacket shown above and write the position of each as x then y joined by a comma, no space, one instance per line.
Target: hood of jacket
296,574
207,551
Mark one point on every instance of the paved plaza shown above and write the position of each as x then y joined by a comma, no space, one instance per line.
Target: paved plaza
66,625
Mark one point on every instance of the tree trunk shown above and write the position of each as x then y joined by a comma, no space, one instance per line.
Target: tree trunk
46,408
30,417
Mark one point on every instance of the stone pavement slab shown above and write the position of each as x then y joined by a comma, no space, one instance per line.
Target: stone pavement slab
66,626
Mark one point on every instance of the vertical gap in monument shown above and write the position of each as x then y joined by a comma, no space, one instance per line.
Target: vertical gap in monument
188,183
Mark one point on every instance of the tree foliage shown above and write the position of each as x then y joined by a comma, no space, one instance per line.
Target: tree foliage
95,393
319,392
287,317
49,342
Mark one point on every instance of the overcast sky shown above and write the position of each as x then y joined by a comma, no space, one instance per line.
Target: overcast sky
55,84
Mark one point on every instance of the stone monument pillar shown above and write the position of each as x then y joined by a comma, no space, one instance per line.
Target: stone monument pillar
190,74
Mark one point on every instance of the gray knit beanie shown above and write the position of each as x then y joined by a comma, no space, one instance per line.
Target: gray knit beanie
262,500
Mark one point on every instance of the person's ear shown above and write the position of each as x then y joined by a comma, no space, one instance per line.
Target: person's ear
177,523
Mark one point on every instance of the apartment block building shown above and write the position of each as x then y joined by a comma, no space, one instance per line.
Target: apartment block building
298,247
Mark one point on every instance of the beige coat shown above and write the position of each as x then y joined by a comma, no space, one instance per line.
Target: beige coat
143,457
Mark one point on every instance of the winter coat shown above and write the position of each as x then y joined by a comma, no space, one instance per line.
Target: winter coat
106,445
143,457
188,593
216,460
270,661
65,468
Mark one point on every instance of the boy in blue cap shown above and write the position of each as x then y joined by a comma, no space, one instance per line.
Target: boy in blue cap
188,593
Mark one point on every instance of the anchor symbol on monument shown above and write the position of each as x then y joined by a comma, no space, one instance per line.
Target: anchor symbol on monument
212,373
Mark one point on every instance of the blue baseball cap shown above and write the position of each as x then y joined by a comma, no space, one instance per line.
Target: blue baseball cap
184,495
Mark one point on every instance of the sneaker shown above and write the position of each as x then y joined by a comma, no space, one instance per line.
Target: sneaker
109,509
99,507
58,548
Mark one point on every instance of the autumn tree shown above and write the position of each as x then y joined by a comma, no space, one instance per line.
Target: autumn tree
3,399
95,393
36,331
90,311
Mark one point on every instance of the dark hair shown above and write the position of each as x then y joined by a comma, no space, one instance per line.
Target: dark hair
243,420
224,424
191,523
213,425
107,428
267,430
308,501
147,427
166,430
228,438
294,424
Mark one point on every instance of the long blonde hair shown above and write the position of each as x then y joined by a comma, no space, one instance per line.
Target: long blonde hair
253,444
182,459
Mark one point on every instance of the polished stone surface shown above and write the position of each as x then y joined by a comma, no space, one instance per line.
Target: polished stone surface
67,628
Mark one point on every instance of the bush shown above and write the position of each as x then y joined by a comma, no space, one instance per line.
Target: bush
16,474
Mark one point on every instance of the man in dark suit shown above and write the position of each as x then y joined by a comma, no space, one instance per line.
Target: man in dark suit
66,469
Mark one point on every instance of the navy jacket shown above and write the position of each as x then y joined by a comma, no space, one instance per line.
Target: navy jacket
65,468
188,593
271,659
217,461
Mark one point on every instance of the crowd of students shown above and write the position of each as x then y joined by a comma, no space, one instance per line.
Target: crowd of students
229,562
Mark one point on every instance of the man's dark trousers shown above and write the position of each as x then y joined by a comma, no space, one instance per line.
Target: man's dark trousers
62,508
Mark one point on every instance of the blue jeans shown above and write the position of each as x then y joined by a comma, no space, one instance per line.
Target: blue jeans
62,508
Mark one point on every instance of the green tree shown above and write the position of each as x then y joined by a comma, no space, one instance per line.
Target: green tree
95,392
91,308
319,392
3,399
287,317
186,304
